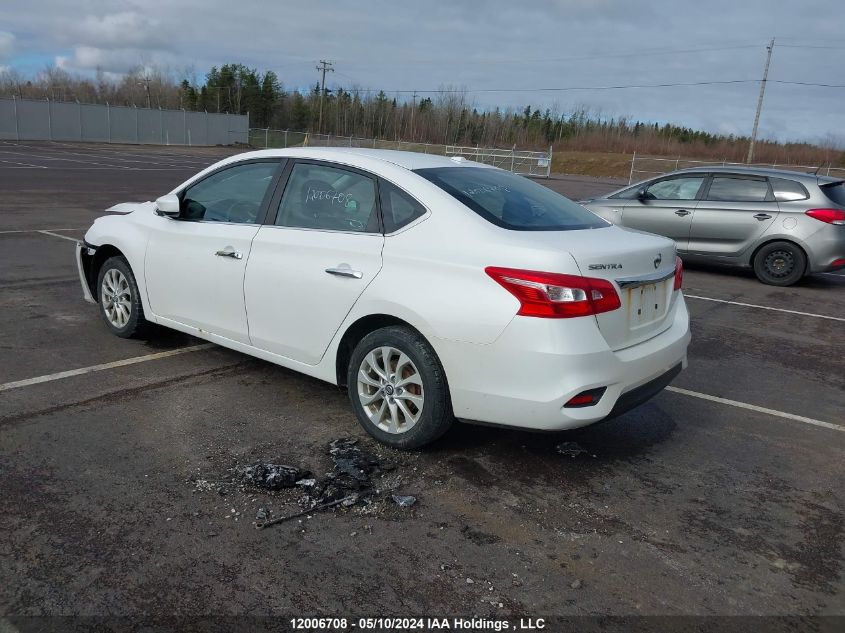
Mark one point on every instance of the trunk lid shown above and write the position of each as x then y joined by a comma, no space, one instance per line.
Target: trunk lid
641,267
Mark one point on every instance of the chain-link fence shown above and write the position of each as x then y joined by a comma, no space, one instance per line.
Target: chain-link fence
644,167
528,163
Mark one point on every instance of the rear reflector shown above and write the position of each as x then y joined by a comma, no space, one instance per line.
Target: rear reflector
831,216
679,273
586,398
556,296
837,263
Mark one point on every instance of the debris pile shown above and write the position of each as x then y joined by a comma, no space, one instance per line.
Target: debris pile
271,476
351,482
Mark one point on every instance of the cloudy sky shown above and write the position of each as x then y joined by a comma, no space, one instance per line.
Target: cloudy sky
480,45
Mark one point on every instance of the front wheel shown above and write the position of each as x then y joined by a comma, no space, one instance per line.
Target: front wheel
119,298
398,388
780,264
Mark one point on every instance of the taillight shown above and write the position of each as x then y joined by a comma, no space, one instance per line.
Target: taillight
556,296
679,273
831,216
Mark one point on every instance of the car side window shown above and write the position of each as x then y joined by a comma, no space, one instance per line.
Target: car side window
234,194
738,189
329,199
626,194
685,188
397,207
788,190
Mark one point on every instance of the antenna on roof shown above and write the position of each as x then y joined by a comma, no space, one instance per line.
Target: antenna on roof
816,173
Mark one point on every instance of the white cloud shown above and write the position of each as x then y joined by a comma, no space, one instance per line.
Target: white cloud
128,29
7,44
482,44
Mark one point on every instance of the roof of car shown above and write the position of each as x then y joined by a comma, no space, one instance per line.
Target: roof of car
761,171
407,160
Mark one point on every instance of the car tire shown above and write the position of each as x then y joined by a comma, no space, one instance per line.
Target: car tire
780,264
398,388
120,299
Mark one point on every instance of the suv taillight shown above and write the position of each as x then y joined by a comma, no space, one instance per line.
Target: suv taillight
556,296
831,216
679,273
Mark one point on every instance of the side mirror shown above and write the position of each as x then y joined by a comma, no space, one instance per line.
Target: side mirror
641,194
168,205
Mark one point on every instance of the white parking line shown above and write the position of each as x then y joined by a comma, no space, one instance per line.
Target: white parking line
64,237
87,370
752,305
754,407
35,230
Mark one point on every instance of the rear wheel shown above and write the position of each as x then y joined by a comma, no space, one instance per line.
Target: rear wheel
398,389
780,264
119,298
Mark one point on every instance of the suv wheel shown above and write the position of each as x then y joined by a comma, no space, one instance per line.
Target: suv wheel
398,388
780,264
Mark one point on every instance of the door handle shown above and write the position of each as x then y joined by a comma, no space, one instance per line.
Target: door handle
229,253
345,271
682,212
762,216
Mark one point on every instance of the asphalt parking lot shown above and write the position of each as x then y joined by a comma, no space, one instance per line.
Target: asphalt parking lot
723,495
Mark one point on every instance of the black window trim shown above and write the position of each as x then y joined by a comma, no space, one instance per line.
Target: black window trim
408,225
770,197
282,185
262,209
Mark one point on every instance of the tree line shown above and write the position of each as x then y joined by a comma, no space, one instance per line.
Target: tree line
446,117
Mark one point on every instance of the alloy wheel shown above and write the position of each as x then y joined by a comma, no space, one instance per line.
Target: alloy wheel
116,298
390,389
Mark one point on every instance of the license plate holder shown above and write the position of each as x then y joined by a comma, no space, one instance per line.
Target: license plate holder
647,304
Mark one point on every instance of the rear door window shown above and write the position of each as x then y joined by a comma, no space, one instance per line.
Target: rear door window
738,189
788,190
328,198
511,201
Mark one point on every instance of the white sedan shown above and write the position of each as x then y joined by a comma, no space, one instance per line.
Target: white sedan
432,288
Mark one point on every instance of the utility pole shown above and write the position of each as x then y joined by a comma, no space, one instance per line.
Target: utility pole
769,48
145,81
323,67
413,108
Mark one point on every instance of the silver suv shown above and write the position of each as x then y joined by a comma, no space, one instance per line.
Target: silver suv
783,224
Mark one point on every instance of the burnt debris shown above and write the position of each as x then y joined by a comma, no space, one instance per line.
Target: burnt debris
270,476
357,478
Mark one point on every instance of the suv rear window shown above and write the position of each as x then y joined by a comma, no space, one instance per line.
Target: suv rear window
835,192
511,201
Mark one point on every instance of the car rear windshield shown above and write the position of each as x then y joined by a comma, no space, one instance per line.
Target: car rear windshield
836,193
511,201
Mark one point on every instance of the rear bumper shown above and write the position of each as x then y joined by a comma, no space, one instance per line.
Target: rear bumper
83,267
525,378
826,249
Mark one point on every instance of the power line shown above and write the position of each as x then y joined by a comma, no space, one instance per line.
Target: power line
564,89
638,53
806,83
811,46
